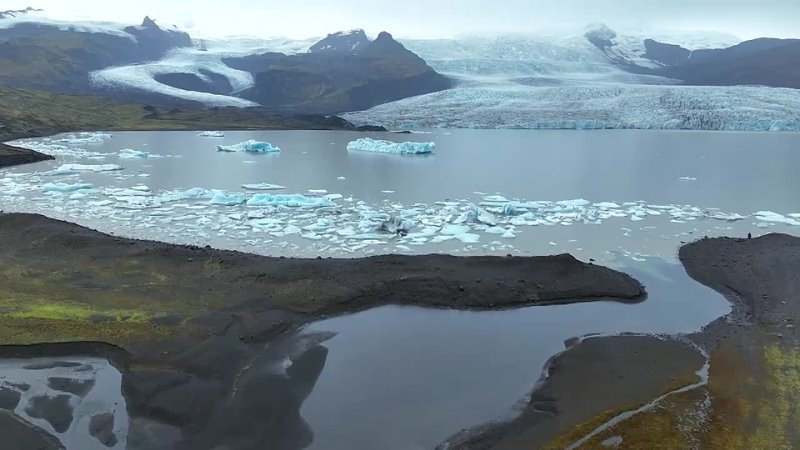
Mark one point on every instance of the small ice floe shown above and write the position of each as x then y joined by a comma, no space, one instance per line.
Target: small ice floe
263,187
687,179
769,216
214,134
128,153
250,146
69,169
64,187
341,178
398,148
289,200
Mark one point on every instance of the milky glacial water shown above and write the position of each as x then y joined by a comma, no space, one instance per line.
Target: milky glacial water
641,193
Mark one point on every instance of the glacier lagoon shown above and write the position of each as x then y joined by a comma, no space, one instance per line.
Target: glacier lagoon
625,198
593,194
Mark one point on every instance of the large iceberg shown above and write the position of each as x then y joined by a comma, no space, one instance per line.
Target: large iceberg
290,200
250,146
401,148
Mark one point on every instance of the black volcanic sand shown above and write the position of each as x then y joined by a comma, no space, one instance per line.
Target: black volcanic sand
13,156
753,386
18,435
187,325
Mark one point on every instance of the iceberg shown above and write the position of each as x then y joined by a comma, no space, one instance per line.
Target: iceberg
263,187
397,225
250,146
216,134
68,169
476,215
769,216
223,198
402,148
127,153
64,187
290,200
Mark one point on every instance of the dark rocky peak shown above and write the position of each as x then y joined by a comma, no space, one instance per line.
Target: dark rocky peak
343,42
154,41
17,12
665,54
149,23
601,36
384,46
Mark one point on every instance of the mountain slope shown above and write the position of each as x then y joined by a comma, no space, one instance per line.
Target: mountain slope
332,79
42,56
765,62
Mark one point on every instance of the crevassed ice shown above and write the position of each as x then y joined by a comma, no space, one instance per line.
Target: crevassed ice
381,146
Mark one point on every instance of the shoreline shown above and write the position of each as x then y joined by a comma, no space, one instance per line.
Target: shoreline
757,276
194,320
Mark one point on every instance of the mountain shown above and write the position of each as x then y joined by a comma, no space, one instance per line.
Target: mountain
340,73
764,62
17,12
59,58
343,42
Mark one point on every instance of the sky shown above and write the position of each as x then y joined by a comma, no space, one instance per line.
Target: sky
438,18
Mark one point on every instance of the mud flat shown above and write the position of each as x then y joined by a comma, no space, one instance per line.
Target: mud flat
734,385
187,326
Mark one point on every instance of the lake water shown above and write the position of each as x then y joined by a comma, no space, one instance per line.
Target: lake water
636,192
405,378
402,378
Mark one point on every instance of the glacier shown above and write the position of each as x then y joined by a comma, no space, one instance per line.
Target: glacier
250,146
545,82
381,146
196,61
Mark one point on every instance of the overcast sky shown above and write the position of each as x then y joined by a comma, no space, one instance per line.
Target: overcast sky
440,18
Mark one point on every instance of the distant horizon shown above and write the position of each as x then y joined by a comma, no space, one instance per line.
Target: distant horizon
249,18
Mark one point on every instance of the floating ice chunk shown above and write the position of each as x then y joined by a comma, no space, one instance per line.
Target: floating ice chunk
495,199
223,198
454,230
215,134
380,146
341,178
263,187
397,225
468,238
127,153
68,169
64,187
606,205
729,217
318,191
476,215
290,200
189,194
250,146
687,179
769,216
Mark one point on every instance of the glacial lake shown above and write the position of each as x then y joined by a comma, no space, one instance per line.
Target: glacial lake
402,378
588,193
